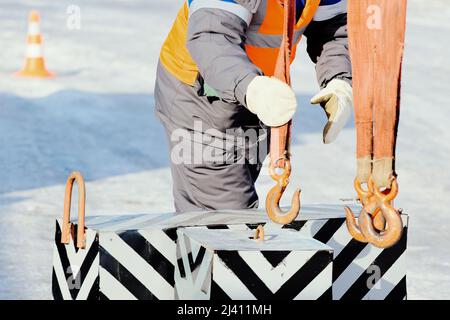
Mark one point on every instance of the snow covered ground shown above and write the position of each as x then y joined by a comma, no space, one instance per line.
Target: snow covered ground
97,117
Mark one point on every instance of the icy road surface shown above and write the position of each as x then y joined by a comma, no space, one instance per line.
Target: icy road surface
97,117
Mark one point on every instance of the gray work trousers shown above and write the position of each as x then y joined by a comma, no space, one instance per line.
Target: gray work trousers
216,148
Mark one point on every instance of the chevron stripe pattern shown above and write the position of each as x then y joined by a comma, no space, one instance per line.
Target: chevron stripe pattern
137,265
360,270
220,274
75,271
272,275
125,261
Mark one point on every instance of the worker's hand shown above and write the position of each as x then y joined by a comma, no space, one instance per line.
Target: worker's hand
337,101
272,100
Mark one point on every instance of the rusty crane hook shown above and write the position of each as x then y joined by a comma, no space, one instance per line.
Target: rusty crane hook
274,195
365,197
350,220
379,222
392,234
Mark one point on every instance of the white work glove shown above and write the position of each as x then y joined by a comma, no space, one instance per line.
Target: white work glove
337,101
272,100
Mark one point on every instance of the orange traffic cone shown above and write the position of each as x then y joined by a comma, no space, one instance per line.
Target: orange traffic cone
34,63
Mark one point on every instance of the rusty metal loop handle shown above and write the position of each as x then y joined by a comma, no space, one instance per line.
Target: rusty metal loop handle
259,233
66,227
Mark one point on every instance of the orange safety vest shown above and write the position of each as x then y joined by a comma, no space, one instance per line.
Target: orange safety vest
262,44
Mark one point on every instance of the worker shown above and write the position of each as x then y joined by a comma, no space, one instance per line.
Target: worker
214,84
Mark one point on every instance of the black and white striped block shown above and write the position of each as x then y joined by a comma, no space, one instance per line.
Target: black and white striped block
361,271
228,264
135,256
127,257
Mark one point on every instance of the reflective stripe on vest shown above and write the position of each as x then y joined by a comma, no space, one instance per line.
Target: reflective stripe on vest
264,37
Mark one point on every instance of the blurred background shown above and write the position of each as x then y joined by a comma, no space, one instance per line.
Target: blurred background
96,116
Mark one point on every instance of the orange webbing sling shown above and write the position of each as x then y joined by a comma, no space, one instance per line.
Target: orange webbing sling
376,39
280,148
280,139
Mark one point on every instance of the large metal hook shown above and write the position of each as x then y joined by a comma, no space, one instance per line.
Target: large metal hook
369,202
353,227
365,197
274,195
392,234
